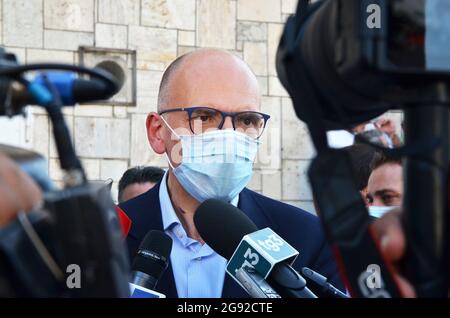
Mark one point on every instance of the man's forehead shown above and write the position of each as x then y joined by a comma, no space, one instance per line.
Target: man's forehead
387,177
389,169
212,78
212,58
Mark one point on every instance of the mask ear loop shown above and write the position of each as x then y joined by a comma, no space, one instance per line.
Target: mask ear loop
40,246
168,160
173,132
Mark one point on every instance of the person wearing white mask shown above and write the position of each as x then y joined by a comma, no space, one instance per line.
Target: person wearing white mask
387,126
208,125
385,185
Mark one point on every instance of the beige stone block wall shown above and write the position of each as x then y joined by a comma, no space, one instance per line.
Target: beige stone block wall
111,138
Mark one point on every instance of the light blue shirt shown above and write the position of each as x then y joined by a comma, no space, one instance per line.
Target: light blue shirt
197,269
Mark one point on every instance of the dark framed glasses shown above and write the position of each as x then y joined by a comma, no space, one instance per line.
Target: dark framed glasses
203,119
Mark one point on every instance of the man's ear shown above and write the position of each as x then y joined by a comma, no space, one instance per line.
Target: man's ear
154,132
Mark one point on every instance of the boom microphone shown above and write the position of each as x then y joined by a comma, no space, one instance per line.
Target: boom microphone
71,89
18,91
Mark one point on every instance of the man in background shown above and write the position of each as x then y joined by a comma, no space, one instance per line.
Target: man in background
138,180
385,186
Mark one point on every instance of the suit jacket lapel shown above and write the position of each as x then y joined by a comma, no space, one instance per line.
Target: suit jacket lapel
147,215
166,284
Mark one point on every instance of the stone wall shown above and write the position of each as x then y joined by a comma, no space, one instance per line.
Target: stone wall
111,138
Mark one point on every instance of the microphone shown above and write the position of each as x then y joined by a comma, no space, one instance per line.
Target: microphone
71,89
151,260
235,237
255,284
321,284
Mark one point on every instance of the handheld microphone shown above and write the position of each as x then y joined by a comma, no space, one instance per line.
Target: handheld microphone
235,237
321,283
152,259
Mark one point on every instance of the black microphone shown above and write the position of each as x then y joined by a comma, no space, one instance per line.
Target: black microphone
320,283
151,260
72,89
223,226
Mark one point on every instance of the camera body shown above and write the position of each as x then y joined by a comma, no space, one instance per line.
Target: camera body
345,62
72,246
364,57
80,229
397,37
400,41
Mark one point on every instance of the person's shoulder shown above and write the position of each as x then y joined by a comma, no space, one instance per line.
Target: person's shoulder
290,222
303,231
281,210
140,202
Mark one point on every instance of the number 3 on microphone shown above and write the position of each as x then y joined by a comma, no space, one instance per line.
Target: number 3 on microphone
251,259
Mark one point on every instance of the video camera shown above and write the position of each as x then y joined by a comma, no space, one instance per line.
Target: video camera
345,62
72,246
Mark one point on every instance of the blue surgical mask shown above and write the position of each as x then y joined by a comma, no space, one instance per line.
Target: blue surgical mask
216,164
379,211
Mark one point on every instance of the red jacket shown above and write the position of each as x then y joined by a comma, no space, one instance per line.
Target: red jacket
125,222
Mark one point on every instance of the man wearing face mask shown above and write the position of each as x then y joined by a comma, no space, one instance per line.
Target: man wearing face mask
208,125
385,185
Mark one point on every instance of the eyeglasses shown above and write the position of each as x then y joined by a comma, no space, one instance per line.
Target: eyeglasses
202,119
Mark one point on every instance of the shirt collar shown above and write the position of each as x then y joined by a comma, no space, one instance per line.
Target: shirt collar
169,217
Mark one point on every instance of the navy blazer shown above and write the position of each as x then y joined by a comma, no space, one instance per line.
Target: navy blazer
299,228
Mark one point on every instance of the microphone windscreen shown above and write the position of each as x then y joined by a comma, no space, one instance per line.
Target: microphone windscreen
153,254
115,70
222,226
